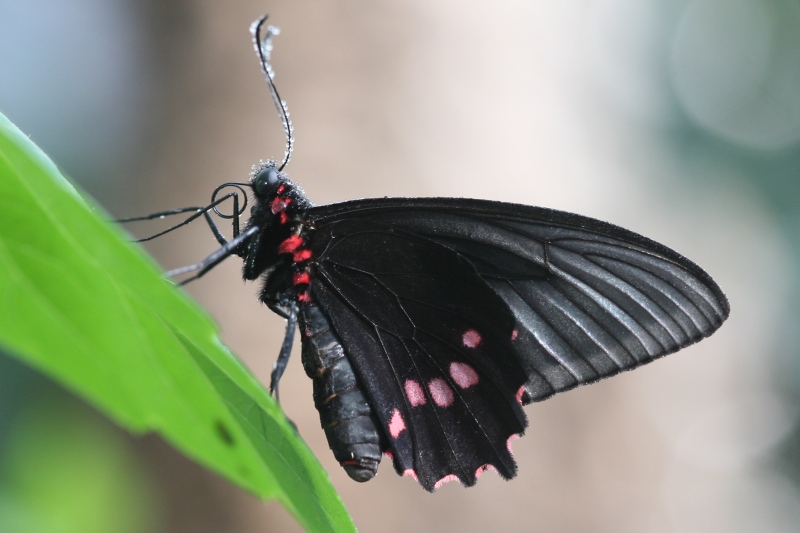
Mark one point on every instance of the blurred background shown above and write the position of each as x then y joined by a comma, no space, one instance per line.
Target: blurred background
679,119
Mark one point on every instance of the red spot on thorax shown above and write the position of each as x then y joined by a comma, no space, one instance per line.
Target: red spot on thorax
281,189
301,278
301,255
303,297
277,205
291,244
284,217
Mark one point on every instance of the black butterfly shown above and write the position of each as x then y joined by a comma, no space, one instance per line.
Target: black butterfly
427,323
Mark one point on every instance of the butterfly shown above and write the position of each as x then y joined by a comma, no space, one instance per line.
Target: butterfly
427,323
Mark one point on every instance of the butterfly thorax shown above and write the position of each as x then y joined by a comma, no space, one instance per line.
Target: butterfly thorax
278,251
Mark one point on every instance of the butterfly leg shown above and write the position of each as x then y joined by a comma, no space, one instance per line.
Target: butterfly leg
286,351
278,310
228,249
235,218
215,230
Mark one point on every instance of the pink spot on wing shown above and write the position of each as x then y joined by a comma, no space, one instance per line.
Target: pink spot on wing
520,394
514,335
291,244
446,479
389,455
301,255
410,473
471,338
396,424
485,468
441,392
415,393
464,375
511,439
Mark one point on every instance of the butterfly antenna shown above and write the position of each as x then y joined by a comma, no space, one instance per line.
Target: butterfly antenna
264,49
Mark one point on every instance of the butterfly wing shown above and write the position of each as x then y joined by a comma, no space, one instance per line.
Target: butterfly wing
430,343
518,295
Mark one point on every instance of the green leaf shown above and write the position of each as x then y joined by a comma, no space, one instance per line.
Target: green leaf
92,311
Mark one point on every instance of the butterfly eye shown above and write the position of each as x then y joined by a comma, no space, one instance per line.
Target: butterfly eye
266,181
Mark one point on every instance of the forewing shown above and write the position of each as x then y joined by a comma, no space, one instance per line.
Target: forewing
589,299
431,344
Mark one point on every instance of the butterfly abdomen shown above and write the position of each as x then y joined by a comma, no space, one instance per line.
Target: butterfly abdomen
344,412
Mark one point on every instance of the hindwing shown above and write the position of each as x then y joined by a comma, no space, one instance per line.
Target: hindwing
431,345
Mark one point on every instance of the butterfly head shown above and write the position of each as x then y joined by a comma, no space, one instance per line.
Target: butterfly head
275,194
266,179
